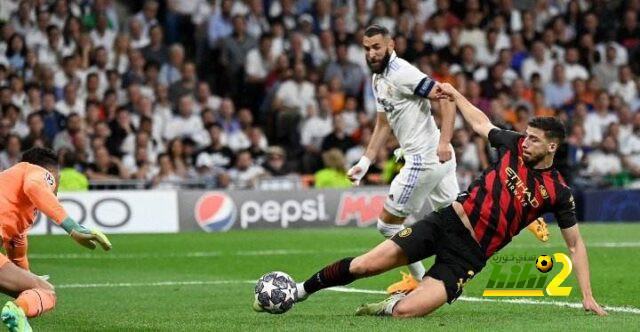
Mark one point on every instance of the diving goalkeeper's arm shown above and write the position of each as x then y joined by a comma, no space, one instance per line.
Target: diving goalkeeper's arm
42,196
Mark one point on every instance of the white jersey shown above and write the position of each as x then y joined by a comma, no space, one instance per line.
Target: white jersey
400,91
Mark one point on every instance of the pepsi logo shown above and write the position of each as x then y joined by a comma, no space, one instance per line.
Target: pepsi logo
215,212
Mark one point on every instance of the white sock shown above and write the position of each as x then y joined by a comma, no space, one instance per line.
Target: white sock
417,270
302,293
388,309
388,230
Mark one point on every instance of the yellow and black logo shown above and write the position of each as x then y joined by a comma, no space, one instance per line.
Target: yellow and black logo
405,232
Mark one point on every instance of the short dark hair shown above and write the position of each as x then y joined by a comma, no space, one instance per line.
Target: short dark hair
376,29
42,157
553,128
69,159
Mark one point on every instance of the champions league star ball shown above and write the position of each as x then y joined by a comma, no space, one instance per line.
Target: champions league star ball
544,263
276,292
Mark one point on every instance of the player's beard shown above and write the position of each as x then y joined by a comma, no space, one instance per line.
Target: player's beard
532,160
382,64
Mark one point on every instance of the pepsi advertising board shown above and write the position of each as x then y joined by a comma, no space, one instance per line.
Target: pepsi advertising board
219,211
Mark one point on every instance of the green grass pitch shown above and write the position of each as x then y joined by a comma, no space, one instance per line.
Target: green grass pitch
202,282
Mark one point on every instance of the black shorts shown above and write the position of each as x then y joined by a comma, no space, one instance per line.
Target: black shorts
442,233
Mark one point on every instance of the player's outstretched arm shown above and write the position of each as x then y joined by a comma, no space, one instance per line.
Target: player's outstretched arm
378,139
43,198
580,261
475,117
448,115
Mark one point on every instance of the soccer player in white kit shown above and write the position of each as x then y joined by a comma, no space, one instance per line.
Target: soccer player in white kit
402,92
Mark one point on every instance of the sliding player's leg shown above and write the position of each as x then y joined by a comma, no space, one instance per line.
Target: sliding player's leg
34,296
382,258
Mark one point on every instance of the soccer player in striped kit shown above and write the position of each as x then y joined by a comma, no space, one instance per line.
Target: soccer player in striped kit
515,190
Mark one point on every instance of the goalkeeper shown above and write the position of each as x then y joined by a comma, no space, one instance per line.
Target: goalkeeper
26,188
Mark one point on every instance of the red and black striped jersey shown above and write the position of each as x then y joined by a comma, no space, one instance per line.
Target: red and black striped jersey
508,195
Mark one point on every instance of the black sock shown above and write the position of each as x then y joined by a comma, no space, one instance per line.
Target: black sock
336,274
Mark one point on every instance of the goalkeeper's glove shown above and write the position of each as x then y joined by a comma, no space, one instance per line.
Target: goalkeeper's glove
84,236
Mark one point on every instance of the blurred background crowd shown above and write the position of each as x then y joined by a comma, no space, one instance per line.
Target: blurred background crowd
235,94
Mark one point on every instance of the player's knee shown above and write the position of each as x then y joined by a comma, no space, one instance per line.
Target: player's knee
44,285
363,266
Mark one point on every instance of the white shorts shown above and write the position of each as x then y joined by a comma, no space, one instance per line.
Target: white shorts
420,180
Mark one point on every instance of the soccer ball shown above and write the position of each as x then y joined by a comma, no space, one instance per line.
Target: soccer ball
544,263
276,292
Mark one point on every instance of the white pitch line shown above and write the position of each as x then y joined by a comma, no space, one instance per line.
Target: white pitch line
156,284
630,310
275,252
280,252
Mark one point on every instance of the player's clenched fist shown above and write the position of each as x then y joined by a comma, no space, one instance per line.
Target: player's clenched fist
357,172
445,90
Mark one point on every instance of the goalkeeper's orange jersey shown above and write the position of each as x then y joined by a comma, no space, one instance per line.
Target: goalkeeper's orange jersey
24,189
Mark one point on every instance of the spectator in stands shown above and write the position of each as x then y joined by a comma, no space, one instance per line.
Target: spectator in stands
606,72
625,86
185,124
11,153
12,113
187,83
313,130
260,61
338,138
219,25
349,73
558,92
605,160
156,51
16,52
241,139
70,178
234,49
66,138
170,71
630,149
120,127
205,99
245,173
179,158
334,173
70,102
216,154
54,121
296,51
573,69
148,16
597,122
106,166
227,118
166,177
36,132
276,162
537,63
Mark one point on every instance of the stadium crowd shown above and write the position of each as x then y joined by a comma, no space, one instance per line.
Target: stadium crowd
224,92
